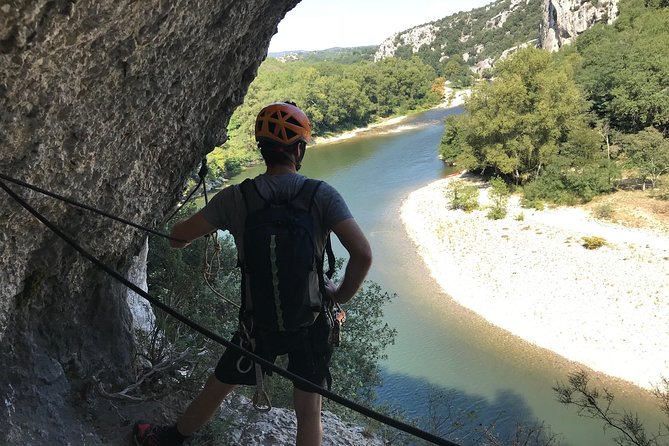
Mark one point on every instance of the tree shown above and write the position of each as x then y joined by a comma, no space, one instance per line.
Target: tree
648,152
517,123
499,195
457,72
625,67
598,404
365,336
462,196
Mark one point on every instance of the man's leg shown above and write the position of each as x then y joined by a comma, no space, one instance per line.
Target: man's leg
204,406
308,412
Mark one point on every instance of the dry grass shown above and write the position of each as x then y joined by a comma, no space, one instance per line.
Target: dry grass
635,209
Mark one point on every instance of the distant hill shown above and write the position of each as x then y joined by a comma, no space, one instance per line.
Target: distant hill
337,55
477,37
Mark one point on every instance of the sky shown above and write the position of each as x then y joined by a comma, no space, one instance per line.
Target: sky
323,24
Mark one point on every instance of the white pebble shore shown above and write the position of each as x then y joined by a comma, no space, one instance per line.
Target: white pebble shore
606,308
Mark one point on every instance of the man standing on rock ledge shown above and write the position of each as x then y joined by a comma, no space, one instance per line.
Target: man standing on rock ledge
282,132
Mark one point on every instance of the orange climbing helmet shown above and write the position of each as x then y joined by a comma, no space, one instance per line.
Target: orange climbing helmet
283,123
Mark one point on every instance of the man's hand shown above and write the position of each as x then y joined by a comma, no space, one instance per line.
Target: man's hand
330,290
360,258
190,229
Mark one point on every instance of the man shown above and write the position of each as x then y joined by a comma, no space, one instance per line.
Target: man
282,132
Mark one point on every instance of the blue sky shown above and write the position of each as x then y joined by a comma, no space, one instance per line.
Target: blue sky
322,24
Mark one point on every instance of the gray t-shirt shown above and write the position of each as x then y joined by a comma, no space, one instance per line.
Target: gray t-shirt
227,211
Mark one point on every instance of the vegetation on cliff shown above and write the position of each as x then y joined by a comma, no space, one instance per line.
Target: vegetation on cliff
566,126
336,97
482,33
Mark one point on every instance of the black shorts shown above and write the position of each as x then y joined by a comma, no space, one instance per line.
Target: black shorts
309,352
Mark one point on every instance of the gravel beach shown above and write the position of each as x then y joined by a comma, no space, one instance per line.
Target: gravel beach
606,308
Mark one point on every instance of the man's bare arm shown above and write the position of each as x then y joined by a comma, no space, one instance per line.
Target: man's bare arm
350,235
190,229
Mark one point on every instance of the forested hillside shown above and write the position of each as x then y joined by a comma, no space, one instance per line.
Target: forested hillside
577,123
335,96
338,55
473,39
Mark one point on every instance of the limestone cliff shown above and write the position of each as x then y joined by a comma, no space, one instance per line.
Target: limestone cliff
563,20
112,103
482,36
477,37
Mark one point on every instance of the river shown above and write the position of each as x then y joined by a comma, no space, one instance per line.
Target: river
446,358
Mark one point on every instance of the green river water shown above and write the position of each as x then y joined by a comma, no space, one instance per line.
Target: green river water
473,365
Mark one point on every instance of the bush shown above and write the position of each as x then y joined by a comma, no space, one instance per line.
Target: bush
533,203
662,191
462,196
227,161
499,194
604,211
593,242
560,183
495,213
519,217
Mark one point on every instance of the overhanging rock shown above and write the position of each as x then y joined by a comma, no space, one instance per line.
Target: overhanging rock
112,103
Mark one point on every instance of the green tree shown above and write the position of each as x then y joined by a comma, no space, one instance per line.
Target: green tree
648,153
458,72
335,96
625,67
516,124
461,195
365,336
499,196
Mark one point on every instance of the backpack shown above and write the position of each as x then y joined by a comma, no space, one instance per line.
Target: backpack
282,274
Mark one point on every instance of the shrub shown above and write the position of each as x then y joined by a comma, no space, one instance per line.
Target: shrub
462,196
593,242
562,183
604,211
519,217
499,194
662,191
534,203
496,213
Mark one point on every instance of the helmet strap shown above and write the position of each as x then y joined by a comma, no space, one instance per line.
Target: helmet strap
302,147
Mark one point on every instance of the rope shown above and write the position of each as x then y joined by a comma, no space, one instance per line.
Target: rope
185,201
88,208
209,271
311,387
202,173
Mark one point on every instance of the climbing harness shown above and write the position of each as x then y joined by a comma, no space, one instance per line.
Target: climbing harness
337,317
261,400
308,385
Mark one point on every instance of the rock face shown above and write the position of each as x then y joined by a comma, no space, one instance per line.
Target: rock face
112,103
246,426
414,37
563,20
475,35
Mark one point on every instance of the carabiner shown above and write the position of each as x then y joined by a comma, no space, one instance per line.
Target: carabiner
261,401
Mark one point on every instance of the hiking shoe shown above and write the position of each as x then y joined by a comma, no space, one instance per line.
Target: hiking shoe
147,434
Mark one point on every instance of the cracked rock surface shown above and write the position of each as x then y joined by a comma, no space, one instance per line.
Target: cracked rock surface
111,103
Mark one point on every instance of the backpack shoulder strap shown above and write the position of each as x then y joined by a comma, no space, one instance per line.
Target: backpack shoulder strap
308,192
331,257
306,196
252,198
